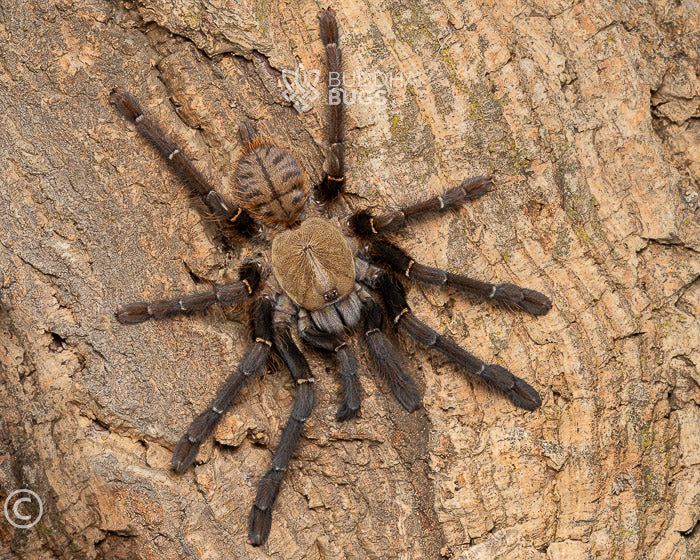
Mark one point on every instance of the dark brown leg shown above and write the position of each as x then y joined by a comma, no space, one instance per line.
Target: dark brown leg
231,292
386,357
225,210
260,518
350,403
364,224
389,255
516,389
253,362
333,181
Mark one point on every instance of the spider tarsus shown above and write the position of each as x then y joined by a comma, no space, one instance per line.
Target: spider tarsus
475,187
125,102
522,298
346,413
520,392
259,524
133,313
328,26
184,455
389,364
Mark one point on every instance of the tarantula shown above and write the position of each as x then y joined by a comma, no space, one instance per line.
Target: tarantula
320,272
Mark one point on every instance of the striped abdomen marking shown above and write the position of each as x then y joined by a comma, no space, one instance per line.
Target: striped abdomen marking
271,184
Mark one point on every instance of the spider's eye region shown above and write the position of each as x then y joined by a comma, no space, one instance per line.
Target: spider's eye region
330,295
313,264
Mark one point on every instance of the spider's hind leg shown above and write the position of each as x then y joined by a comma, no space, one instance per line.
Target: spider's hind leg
224,210
334,179
389,255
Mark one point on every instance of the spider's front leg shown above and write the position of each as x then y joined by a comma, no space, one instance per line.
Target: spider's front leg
252,363
520,392
226,211
230,292
386,357
350,403
260,514
389,255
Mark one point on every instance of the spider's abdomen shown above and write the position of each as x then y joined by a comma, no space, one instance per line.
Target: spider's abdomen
271,184
313,264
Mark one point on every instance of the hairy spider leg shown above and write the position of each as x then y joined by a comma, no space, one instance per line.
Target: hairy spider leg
229,214
350,399
517,390
364,224
388,255
334,179
260,518
252,363
386,357
230,292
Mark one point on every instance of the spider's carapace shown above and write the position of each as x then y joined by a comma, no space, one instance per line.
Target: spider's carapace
313,264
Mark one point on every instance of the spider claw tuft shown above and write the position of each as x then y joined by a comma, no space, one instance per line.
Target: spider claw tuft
520,392
132,313
184,455
535,302
328,26
346,413
475,187
527,300
125,102
259,525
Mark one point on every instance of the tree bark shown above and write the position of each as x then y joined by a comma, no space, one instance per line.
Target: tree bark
587,116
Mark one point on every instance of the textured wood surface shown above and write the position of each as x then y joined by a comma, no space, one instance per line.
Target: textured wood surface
587,115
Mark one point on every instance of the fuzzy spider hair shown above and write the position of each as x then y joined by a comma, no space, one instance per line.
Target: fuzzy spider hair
318,274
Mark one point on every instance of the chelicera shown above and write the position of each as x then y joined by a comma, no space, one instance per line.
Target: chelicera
318,275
